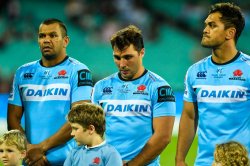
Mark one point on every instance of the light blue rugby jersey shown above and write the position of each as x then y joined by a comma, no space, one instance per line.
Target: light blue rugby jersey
222,93
130,107
101,155
46,94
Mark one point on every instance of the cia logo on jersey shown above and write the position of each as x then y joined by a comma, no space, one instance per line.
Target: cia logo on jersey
84,78
165,93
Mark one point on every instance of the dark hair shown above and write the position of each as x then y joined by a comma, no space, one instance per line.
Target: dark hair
129,35
61,24
231,16
88,114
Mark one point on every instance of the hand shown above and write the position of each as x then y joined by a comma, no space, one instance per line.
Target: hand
42,162
34,153
181,163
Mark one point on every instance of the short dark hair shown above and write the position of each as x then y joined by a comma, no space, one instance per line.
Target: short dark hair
231,16
129,35
61,24
88,114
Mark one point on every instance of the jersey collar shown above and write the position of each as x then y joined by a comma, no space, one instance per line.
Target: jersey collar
230,61
41,63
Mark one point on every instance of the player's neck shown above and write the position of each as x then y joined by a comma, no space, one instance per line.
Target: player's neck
96,140
139,73
223,55
53,62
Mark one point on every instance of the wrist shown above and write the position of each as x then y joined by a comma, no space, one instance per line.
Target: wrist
125,164
43,147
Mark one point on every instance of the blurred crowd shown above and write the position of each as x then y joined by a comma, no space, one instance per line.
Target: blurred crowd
99,19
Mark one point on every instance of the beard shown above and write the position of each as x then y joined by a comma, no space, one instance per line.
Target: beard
50,56
206,45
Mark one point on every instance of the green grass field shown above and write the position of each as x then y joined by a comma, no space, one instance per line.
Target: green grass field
168,155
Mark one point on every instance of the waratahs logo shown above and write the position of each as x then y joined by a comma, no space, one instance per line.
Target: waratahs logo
141,89
237,75
61,75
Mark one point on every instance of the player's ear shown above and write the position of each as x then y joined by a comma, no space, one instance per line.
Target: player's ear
230,33
91,129
142,52
65,41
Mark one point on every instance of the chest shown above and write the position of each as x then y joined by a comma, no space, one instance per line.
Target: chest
234,75
126,91
45,76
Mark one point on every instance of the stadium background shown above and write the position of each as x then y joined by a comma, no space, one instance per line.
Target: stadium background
172,30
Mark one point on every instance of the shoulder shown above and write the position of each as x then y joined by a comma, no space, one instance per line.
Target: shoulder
200,65
76,150
77,64
201,62
107,148
156,80
28,65
107,80
245,58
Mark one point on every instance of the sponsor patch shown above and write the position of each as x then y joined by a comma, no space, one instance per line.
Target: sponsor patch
28,75
126,107
165,93
84,78
107,91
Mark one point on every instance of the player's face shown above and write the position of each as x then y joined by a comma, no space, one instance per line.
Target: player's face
80,134
10,155
214,33
52,43
129,62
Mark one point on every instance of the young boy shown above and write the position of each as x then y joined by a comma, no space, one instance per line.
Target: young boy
231,153
13,145
88,126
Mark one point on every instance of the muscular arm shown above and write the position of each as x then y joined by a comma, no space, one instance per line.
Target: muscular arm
187,130
61,136
35,152
162,127
14,116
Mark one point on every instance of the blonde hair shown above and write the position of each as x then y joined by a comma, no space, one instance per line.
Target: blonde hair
231,154
14,137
